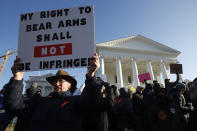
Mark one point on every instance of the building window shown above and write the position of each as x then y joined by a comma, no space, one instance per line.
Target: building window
115,79
129,79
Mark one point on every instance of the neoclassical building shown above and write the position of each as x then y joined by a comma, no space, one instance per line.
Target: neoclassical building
122,60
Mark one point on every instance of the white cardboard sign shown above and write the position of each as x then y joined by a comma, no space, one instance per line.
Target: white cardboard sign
55,39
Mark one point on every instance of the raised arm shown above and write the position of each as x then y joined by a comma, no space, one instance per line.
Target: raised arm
177,80
94,65
13,100
92,91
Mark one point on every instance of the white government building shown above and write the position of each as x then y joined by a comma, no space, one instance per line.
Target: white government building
122,60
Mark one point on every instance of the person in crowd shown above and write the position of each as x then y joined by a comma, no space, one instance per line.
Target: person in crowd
182,109
137,101
100,118
156,88
112,113
115,91
193,96
148,89
152,96
60,110
5,117
186,94
33,91
170,86
148,99
189,85
160,118
4,121
123,109
148,94
155,82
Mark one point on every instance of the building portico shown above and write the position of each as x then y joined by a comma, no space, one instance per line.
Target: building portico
124,59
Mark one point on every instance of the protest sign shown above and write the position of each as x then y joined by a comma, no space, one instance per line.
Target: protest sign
176,68
54,39
145,76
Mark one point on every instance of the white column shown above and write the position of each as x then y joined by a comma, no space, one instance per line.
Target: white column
163,70
135,72
101,71
150,70
119,72
157,76
102,66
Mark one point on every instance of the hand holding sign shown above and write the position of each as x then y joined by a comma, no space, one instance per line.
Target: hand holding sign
15,70
94,65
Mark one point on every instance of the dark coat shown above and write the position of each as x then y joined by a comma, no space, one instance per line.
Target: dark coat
193,118
192,121
99,116
5,117
170,87
138,104
182,110
123,109
160,117
180,103
58,112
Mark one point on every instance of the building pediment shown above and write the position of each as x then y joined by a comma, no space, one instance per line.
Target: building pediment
138,44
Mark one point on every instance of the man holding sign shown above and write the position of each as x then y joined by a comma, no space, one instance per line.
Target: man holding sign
54,39
170,86
60,110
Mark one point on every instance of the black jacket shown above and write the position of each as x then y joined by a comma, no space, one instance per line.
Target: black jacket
182,109
57,112
170,87
160,116
123,109
98,117
138,104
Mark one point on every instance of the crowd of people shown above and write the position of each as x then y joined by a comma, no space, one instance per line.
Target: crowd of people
100,106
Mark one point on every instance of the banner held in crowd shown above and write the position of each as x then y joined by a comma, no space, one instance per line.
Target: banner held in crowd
54,39
145,76
176,68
